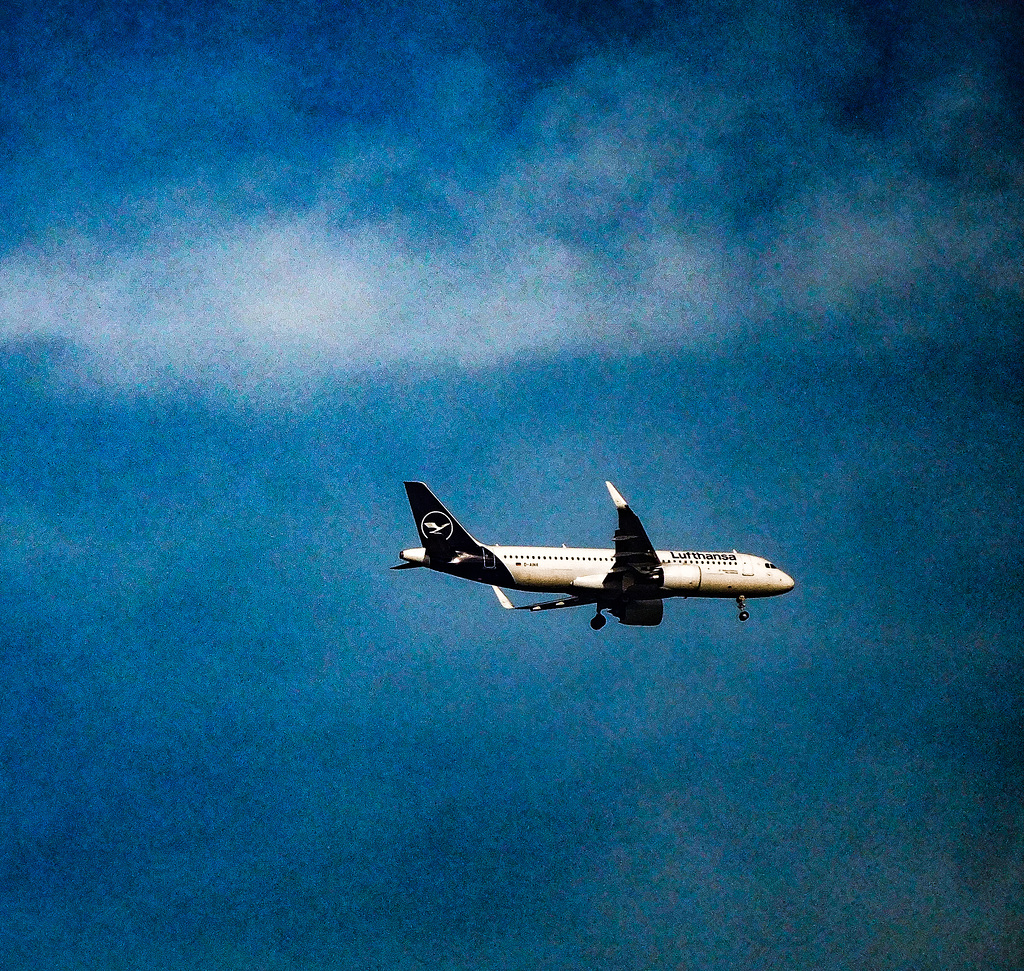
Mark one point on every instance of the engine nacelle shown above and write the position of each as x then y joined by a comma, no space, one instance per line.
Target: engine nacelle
680,577
596,581
639,613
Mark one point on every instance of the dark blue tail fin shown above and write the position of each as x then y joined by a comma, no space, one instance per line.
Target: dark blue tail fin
439,530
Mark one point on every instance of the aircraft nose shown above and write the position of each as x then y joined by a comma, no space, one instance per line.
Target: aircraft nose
787,582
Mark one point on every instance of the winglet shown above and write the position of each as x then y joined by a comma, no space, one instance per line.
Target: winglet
502,599
620,503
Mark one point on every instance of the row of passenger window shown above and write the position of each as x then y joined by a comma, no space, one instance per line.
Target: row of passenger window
606,559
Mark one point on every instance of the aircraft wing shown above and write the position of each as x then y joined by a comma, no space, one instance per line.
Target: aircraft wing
547,605
633,547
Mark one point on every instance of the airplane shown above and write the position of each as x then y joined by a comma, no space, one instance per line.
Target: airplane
631,581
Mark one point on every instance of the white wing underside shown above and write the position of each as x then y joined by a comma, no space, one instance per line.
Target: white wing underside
546,605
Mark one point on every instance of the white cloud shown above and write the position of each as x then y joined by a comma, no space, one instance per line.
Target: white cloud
613,227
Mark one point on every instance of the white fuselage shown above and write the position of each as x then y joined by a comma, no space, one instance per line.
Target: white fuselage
684,573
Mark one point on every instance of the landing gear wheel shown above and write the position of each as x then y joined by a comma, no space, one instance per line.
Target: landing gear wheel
596,623
741,602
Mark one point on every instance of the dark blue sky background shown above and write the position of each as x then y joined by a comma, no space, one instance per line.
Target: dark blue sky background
761,266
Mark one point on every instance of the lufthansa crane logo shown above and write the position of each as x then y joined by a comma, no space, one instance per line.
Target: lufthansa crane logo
436,525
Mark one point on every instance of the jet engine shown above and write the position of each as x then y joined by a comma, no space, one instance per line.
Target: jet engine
680,577
639,613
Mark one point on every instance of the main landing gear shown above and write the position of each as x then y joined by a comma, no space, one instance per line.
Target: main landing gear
596,623
741,602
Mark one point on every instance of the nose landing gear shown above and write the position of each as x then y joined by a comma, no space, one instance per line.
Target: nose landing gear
741,602
597,622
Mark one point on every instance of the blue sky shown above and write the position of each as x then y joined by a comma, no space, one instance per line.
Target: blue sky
758,265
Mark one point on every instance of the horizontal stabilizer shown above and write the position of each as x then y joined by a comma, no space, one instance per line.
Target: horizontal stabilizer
406,566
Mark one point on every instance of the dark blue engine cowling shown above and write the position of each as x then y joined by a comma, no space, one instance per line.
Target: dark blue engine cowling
639,613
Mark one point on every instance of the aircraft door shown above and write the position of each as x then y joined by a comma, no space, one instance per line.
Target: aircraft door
748,566
489,563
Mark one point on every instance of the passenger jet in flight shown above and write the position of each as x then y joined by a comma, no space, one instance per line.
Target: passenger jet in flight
631,581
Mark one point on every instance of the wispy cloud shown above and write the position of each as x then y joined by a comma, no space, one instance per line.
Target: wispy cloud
641,201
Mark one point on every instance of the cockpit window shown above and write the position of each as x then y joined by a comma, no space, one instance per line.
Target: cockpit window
771,566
